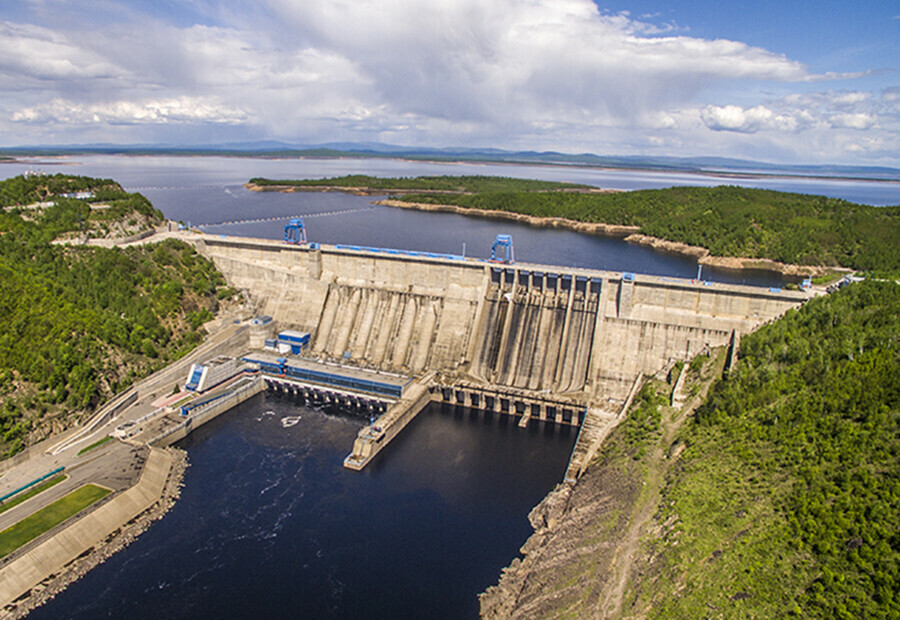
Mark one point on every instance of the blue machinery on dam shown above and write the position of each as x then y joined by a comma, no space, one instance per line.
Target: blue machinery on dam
281,371
295,233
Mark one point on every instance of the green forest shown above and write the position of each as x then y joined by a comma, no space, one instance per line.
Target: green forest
82,323
109,206
452,184
729,221
786,500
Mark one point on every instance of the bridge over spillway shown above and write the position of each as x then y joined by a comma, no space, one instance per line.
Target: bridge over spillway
554,343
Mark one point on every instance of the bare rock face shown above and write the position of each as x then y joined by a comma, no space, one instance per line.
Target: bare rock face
546,515
566,562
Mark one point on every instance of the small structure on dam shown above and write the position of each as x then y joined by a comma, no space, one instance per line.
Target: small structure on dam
206,375
544,342
319,375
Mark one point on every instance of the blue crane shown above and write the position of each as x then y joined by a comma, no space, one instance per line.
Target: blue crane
506,242
295,231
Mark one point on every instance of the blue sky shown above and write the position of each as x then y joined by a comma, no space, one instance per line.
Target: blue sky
794,82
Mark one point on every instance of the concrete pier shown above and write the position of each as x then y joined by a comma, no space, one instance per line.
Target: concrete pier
373,438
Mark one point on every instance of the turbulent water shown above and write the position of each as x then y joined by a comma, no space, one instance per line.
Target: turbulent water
271,525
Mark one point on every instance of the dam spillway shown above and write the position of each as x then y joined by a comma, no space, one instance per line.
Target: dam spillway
545,338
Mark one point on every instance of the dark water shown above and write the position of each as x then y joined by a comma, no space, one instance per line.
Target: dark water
271,525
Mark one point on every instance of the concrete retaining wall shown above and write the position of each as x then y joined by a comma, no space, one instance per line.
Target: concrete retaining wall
536,327
200,417
371,440
52,555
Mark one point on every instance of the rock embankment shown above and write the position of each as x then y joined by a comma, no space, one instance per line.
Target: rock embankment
590,228
629,234
113,543
735,263
575,543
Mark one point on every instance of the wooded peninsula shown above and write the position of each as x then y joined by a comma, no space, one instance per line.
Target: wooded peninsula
727,221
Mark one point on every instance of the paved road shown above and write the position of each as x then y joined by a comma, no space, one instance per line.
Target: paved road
116,465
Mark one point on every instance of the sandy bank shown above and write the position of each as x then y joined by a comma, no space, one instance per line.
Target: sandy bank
396,191
356,191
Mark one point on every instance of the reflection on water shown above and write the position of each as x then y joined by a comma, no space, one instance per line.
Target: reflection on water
270,524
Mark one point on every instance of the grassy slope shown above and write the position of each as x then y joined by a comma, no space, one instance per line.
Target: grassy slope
43,520
21,497
786,500
579,569
779,496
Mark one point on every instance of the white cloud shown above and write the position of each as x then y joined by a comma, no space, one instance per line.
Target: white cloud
749,120
516,73
180,110
858,120
507,67
35,53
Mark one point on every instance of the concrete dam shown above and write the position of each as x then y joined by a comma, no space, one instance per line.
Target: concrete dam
542,342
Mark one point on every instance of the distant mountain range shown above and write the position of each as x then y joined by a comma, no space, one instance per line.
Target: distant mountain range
275,148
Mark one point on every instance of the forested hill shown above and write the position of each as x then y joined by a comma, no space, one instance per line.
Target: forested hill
439,184
81,323
727,220
787,498
75,206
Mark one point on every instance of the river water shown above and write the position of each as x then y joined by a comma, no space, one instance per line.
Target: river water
269,523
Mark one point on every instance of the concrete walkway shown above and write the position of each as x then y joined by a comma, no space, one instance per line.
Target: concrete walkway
53,554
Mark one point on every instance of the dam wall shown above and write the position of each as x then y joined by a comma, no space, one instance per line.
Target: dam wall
383,312
534,329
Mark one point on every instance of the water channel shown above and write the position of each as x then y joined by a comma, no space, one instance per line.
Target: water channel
269,523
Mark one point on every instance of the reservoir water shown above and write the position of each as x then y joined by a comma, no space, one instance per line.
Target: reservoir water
208,192
269,523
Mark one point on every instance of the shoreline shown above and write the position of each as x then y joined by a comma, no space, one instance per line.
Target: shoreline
117,540
398,191
630,234
600,229
720,173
